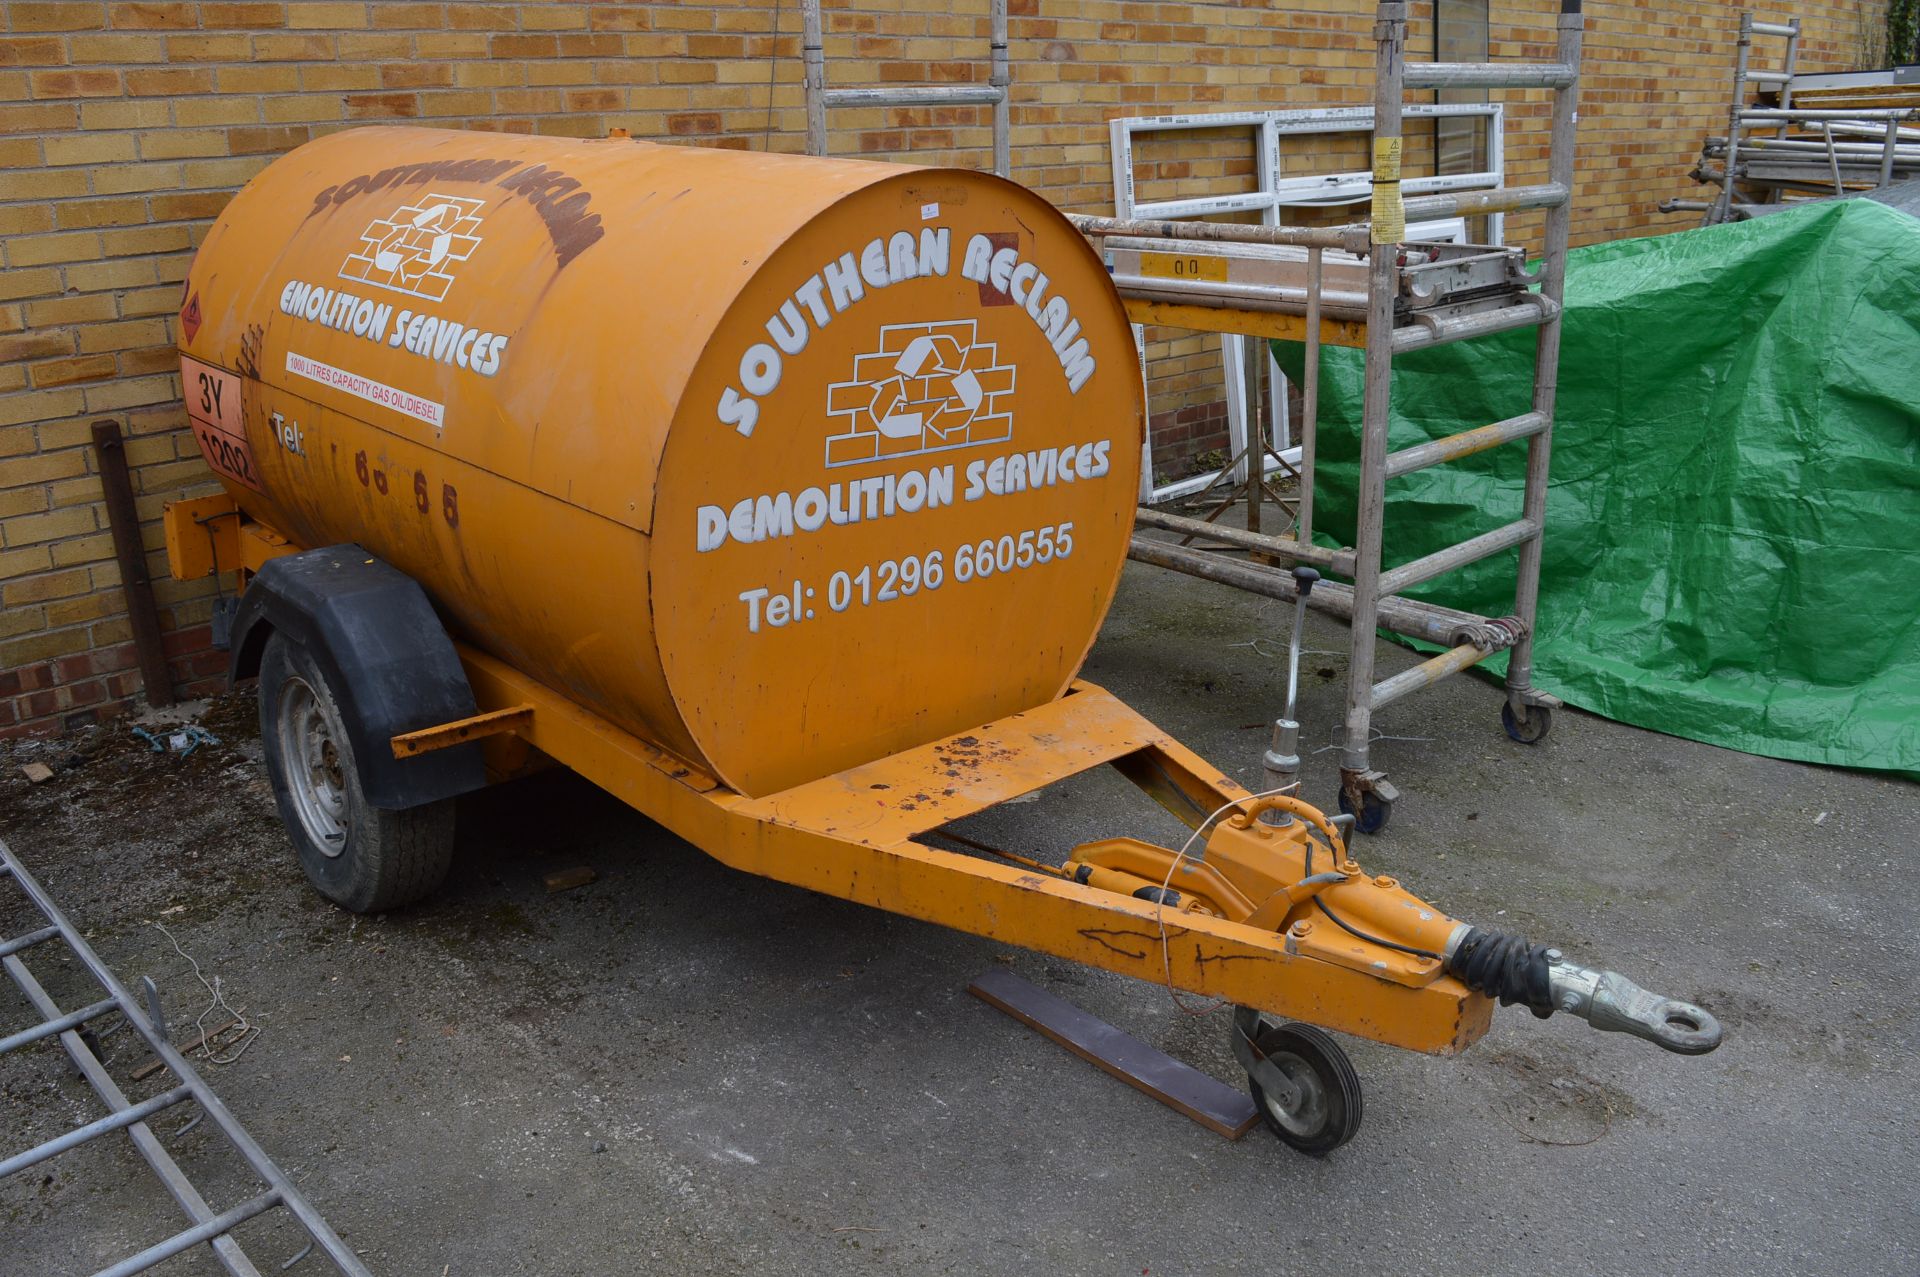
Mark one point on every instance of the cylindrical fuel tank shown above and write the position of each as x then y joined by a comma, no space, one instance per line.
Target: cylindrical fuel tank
782,463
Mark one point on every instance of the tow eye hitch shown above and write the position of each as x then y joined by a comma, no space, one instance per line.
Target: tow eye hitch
1540,979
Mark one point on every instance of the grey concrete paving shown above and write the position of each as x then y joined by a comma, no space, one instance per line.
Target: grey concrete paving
680,1069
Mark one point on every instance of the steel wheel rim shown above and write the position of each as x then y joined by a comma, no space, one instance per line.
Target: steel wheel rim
313,758
1309,1116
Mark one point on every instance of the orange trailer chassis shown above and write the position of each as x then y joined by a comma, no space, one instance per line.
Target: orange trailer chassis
1263,907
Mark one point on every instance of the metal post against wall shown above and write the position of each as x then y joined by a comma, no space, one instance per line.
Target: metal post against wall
1521,699
123,521
997,92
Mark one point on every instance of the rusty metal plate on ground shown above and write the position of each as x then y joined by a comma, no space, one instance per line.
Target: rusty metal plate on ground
1181,1087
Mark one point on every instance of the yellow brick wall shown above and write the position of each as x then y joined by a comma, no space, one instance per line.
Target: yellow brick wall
124,128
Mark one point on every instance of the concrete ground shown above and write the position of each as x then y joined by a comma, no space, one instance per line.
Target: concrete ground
680,1069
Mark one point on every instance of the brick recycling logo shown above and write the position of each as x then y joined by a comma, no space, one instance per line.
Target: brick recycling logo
928,388
414,249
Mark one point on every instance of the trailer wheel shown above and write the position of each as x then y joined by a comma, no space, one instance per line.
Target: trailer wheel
362,858
1327,1110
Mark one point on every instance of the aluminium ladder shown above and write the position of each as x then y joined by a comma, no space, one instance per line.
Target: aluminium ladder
1383,327
1745,74
995,93
1723,207
1527,712
71,1028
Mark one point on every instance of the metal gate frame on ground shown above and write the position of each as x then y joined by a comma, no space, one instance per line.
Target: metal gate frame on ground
1273,194
77,1038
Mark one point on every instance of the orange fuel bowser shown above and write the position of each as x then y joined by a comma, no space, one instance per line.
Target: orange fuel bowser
782,498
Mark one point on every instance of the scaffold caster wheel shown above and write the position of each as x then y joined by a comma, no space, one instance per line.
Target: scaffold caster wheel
1326,1109
1534,730
1374,811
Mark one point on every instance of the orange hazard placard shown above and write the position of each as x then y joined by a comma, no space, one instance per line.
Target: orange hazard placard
1183,266
213,406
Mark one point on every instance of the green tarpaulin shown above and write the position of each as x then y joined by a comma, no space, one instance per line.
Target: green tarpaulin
1733,531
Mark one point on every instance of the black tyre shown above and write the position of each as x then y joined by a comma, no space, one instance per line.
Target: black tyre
360,857
1328,1109
1374,813
1534,730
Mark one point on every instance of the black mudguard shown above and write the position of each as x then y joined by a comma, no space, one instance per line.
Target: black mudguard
385,654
